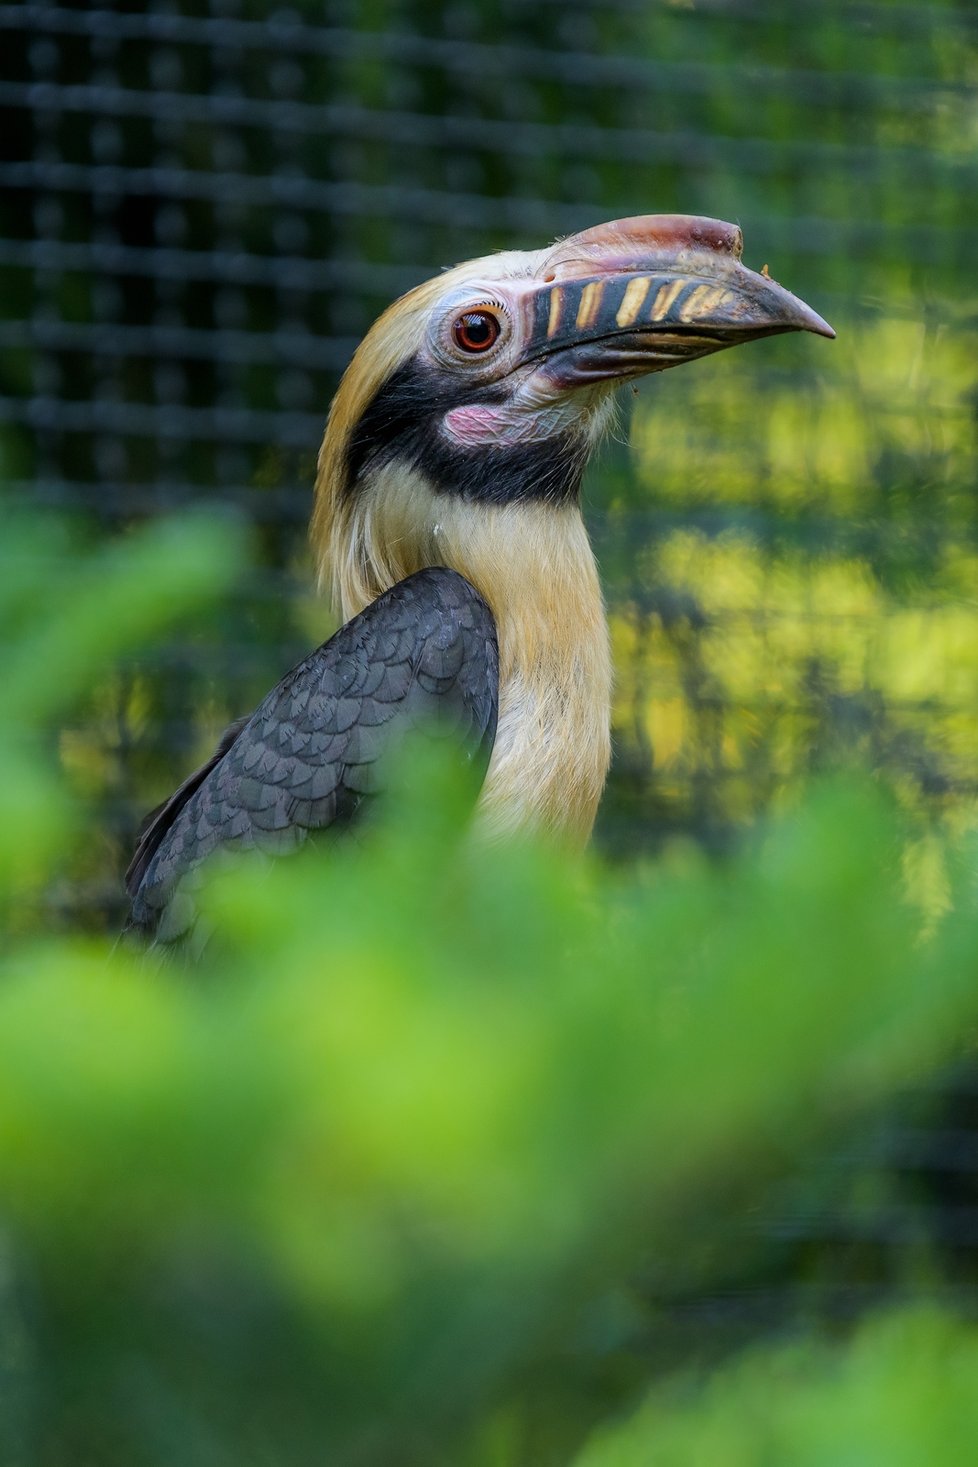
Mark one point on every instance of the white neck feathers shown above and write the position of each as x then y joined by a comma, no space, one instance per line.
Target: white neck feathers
533,563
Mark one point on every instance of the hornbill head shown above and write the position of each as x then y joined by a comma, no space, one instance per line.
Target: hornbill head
490,385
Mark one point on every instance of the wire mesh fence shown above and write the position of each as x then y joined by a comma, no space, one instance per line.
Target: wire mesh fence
205,205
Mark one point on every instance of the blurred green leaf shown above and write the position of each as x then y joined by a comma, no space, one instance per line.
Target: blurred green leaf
903,1392
426,1101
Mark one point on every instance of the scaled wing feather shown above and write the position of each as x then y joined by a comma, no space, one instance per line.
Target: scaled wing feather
425,652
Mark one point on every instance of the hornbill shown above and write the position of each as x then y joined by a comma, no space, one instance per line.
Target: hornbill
448,528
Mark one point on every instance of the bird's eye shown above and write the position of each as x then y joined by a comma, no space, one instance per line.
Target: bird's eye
476,331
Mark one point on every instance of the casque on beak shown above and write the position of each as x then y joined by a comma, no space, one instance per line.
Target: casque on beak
639,295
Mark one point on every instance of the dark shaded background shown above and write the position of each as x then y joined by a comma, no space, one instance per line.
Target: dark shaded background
203,208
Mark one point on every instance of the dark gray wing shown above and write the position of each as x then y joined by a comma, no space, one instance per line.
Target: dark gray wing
423,652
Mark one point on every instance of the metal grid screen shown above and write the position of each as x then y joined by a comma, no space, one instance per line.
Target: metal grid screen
204,205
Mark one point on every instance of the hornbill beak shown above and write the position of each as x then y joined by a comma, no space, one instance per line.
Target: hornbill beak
639,295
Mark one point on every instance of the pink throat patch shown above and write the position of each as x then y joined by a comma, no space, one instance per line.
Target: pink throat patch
492,427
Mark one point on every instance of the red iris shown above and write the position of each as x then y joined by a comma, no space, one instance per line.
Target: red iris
476,331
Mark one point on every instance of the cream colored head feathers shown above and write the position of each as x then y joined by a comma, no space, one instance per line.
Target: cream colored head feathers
356,558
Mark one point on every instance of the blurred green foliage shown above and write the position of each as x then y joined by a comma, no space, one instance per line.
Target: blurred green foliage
903,1393
374,1182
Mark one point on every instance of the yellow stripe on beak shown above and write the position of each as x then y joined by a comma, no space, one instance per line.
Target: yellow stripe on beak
665,299
632,301
590,300
556,300
702,300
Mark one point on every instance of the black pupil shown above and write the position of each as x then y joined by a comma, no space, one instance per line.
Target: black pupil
476,331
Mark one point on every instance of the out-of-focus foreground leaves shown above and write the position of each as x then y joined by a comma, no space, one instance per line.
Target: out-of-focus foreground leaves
903,1393
343,1191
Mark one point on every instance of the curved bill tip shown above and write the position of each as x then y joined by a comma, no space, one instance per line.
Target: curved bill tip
809,320
759,305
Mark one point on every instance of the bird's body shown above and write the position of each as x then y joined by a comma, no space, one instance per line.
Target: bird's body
448,528
534,566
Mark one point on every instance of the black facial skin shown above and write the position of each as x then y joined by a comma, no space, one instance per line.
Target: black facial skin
402,424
